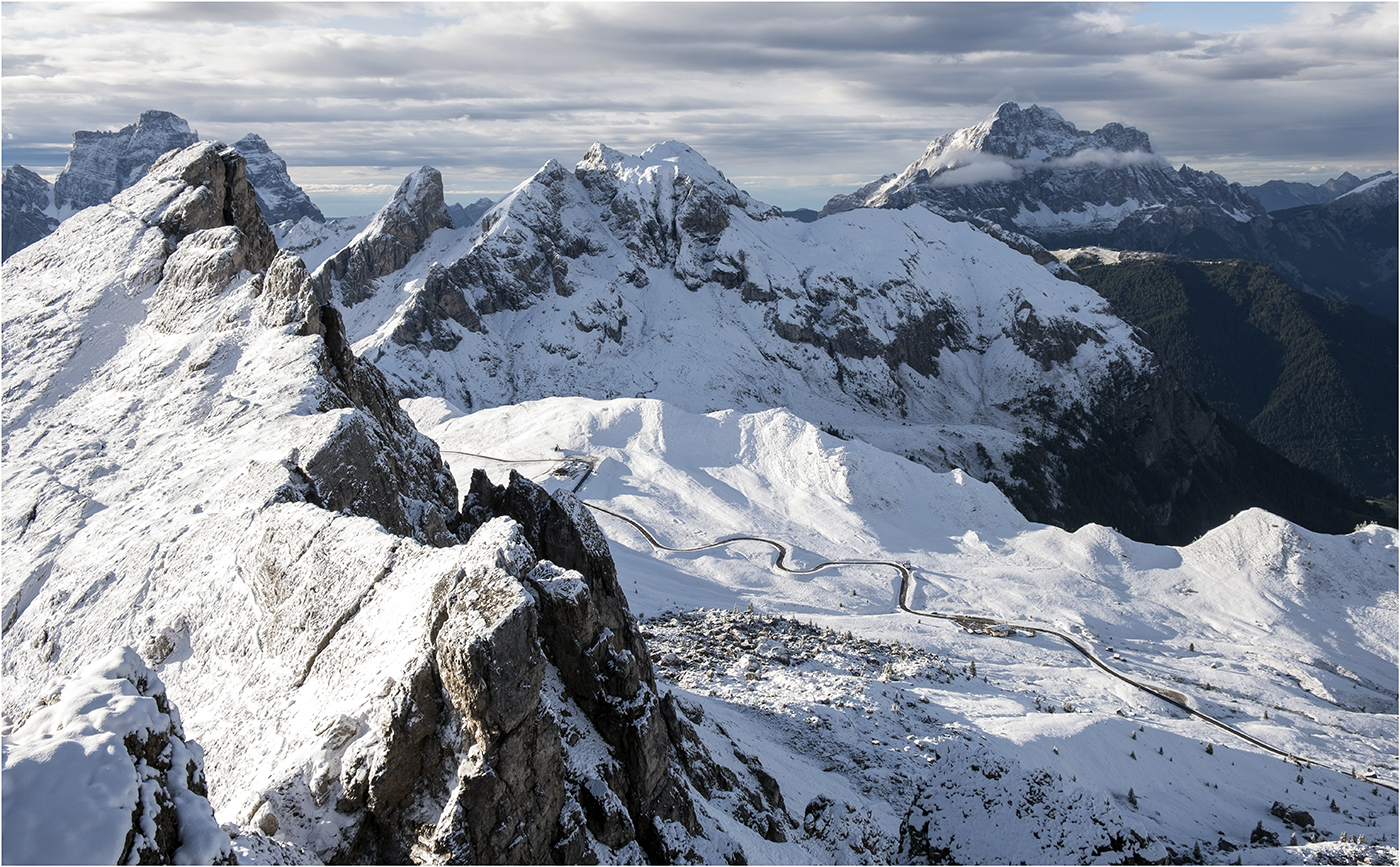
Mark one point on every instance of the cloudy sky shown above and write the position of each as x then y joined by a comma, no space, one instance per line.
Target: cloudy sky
793,101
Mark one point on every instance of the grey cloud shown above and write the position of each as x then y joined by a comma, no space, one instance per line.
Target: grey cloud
763,90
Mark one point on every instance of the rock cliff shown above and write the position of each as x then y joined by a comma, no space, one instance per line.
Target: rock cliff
102,164
27,213
278,196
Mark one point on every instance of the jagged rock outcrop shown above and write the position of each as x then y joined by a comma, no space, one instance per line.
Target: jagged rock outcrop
102,164
27,212
278,197
531,662
101,772
397,231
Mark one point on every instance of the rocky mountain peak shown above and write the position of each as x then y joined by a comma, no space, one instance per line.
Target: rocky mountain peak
26,214
1033,134
667,167
278,197
102,164
398,230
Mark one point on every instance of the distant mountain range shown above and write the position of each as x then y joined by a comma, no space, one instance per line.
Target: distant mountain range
102,164
1032,172
1282,195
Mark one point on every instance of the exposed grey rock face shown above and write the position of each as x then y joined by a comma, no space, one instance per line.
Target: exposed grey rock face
278,197
102,164
26,214
397,232
105,752
528,659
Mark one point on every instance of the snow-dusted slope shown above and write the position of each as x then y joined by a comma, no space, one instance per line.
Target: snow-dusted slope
1285,634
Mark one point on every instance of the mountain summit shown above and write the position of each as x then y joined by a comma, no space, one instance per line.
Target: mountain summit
1033,172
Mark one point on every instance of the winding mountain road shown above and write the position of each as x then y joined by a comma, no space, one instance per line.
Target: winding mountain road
979,624
970,622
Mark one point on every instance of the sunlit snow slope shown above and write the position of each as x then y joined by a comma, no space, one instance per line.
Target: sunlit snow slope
1283,633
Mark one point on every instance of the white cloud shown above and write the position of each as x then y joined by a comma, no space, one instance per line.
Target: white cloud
978,172
1106,157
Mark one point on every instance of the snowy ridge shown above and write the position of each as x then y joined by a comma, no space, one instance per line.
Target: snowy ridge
1376,187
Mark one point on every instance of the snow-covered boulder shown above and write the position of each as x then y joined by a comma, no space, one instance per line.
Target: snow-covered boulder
100,772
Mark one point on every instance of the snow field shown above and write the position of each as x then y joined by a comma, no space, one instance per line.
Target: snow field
1274,618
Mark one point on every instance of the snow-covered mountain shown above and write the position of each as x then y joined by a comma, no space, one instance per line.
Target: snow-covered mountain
464,215
654,276
1031,171
102,164
278,197
26,214
199,467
